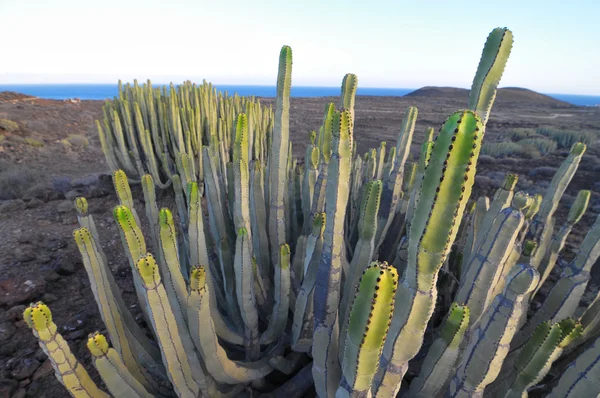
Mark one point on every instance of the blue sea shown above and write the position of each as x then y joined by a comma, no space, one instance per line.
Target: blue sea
108,91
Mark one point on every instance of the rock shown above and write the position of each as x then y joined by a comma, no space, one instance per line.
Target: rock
51,276
7,206
44,223
54,244
76,335
49,298
20,393
8,387
34,389
44,192
34,203
65,206
44,370
76,322
24,368
64,268
24,255
44,259
6,330
14,313
21,289
73,194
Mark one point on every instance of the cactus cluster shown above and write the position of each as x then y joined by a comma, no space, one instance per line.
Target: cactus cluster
276,275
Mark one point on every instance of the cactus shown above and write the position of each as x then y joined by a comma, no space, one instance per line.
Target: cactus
256,235
67,369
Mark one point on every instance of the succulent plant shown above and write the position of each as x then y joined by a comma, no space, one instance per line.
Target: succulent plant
274,275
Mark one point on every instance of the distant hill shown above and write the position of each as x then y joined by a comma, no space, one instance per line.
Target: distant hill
504,95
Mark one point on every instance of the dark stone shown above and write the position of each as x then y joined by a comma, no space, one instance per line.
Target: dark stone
6,330
54,244
34,203
34,389
76,335
44,370
21,289
49,298
8,206
73,194
44,192
24,368
8,387
15,313
21,393
52,276
24,254
76,322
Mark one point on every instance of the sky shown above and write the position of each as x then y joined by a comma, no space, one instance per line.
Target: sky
386,43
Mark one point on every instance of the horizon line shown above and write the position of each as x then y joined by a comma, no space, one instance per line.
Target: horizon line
274,85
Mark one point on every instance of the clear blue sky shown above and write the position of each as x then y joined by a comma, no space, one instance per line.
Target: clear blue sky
391,43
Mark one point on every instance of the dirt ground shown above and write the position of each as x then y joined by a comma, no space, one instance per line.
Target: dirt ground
42,174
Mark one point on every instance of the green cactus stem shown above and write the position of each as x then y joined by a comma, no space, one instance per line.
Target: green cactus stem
442,355
489,72
445,190
67,369
368,323
119,381
490,338
205,338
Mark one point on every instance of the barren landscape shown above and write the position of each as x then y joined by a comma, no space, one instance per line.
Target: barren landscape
53,155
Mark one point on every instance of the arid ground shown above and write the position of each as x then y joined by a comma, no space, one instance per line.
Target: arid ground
54,156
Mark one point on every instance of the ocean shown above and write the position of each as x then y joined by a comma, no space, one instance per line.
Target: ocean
108,91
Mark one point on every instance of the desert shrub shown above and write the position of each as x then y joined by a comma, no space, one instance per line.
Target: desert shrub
544,145
8,125
34,143
17,139
521,133
543,172
566,138
504,149
77,140
14,181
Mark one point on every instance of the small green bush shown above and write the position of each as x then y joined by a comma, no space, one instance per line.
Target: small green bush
519,134
566,138
543,145
34,143
2,137
505,149
77,140
8,125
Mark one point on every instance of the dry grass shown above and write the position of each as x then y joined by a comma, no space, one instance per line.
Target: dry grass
15,180
8,125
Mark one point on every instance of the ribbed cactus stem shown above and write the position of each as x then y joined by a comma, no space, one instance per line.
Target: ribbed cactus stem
442,355
205,339
363,252
392,184
489,72
445,190
490,339
281,291
183,367
303,324
140,356
327,290
559,239
278,158
581,377
484,266
67,369
245,293
368,323
119,381
557,187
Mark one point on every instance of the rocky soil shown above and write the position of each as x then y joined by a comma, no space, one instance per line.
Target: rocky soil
40,175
